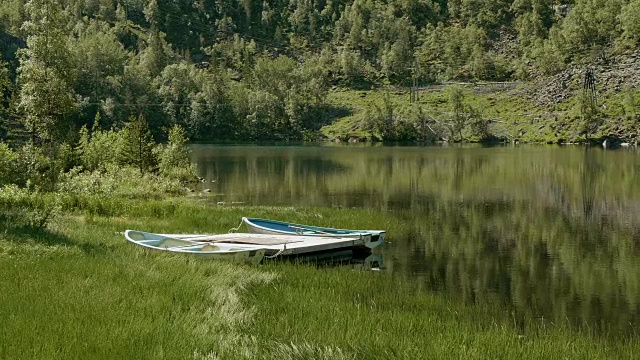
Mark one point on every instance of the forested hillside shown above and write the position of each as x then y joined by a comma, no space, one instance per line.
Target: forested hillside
242,70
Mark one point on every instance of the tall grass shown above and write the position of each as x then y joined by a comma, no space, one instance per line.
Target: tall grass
322,313
77,290
80,292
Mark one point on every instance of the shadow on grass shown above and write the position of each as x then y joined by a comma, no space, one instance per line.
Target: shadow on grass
356,259
21,234
330,113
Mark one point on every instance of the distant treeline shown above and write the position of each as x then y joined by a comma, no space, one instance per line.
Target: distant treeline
261,69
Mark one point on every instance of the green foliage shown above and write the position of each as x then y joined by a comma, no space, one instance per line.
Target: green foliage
533,20
590,115
591,23
8,162
12,14
174,159
630,23
36,168
478,125
5,84
382,118
549,55
5,89
137,144
630,104
98,151
261,70
488,14
456,53
46,72
119,181
32,167
178,84
101,61
25,208
157,54
235,53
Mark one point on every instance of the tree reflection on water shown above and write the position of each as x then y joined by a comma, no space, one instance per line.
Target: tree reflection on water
549,233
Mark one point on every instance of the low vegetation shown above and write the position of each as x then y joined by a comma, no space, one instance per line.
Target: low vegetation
480,113
97,102
76,289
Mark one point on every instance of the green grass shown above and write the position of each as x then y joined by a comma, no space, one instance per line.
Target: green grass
514,116
78,290
81,292
363,316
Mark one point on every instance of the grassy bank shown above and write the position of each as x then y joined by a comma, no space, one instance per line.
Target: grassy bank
77,290
510,111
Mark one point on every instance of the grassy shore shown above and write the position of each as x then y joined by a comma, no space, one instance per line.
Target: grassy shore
511,111
78,290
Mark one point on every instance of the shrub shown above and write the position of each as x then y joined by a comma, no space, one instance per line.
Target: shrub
35,170
8,168
20,207
118,181
99,150
175,157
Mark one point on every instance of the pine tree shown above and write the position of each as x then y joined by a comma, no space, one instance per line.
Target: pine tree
137,145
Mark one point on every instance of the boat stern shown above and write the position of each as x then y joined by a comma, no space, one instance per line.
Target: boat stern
377,239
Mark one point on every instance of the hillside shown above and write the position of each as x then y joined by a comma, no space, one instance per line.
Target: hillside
278,69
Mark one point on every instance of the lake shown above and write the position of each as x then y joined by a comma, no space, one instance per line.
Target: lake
548,232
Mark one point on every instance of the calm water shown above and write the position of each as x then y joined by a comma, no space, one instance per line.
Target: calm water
550,233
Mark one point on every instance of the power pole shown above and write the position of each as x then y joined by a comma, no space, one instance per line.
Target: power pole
413,90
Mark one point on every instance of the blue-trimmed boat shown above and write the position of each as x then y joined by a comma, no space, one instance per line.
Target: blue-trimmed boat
274,227
198,247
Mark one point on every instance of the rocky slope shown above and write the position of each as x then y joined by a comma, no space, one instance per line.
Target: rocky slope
615,74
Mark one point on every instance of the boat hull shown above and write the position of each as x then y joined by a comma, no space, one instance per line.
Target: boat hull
281,244
273,227
205,250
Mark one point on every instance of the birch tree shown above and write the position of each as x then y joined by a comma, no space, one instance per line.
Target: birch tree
46,72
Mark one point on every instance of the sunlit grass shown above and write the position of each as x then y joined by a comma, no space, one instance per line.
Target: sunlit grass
78,290
508,109
88,294
372,316
512,113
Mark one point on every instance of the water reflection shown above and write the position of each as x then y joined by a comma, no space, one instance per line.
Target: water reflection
357,260
548,233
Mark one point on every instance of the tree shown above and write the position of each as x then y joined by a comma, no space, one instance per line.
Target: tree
384,118
175,157
11,15
533,19
5,84
591,25
630,22
177,85
100,65
46,73
137,145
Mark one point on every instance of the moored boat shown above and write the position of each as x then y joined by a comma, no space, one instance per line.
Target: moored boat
275,227
205,249
282,244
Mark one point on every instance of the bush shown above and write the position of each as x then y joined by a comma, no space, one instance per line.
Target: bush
98,151
175,157
25,208
118,181
35,170
8,159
